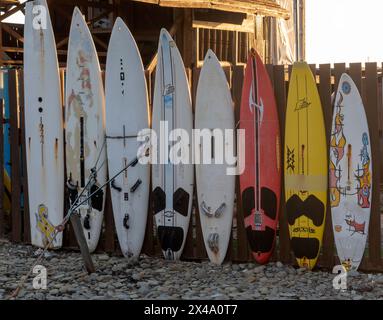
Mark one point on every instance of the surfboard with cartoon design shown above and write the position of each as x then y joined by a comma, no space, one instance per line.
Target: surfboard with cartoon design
43,127
350,174
85,129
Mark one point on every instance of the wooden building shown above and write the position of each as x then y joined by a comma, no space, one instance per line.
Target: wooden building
229,27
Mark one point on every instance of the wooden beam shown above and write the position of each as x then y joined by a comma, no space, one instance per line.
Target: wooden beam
11,12
12,32
99,17
63,42
85,3
246,26
100,42
261,7
153,62
79,233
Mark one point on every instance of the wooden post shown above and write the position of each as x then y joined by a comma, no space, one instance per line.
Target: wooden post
243,251
109,235
188,251
2,219
270,72
15,160
371,106
325,95
280,96
76,225
23,159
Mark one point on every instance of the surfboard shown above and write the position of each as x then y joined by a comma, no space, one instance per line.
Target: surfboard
350,174
43,126
127,115
260,182
86,166
6,140
6,126
172,181
215,188
305,165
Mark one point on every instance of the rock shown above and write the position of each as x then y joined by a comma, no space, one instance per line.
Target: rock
263,290
103,257
259,269
279,264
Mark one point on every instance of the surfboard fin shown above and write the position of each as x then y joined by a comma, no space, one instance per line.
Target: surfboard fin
213,242
220,210
206,210
169,254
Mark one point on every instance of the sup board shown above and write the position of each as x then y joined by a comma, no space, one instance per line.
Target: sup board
85,129
172,180
260,182
127,116
215,187
305,165
350,174
43,126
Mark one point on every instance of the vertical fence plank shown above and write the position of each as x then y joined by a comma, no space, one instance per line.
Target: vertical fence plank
371,111
230,250
355,72
2,215
200,251
188,251
280,96
325,96
270,71
23,159
15,160
109,232
339,68
242,247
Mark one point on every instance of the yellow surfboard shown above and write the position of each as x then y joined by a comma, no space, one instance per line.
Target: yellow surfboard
305,165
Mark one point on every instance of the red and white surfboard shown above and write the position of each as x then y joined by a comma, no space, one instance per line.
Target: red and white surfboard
261,180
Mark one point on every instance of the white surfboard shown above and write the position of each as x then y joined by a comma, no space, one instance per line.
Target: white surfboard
350,174
172,184
126,116
215,189
85,129
43,126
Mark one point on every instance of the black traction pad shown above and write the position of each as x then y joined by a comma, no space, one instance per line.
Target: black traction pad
305,247
170,238
159,200
268,202
181,202
248,201
312,208
260,241
97,198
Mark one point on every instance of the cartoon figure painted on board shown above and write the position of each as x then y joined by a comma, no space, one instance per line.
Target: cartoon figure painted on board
43,224
337,144
363,175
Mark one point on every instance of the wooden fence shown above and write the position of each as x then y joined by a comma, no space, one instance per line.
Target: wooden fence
368,80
